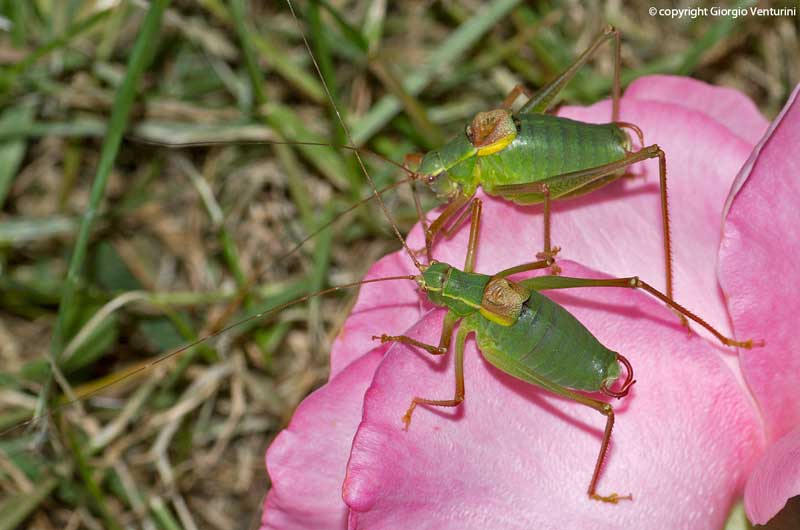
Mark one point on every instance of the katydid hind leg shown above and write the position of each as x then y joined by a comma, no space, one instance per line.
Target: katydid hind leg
530,266
665,224
608,411
600,406
548,283
545,97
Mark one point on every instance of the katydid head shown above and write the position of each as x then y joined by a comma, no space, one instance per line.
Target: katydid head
449,169
445,170
433,174
432,280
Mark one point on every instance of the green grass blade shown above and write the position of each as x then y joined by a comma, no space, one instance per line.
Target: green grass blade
326,160
298,77
92,487
430,132
21,231
350,33
251,64
18,14
123,102
12,151
55,44
163,515
281,118
17,508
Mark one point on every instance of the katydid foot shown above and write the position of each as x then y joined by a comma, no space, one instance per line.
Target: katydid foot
614,498
683,319
420,252
550,255
407,415
746,344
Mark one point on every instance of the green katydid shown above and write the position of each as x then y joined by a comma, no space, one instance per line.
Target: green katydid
520,331
516,328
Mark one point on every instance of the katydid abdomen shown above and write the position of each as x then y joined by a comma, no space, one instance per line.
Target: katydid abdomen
548,341
547,146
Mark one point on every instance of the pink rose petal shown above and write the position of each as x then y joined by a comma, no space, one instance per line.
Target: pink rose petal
759,270
515,457
728,106
775,479
387,307
306,462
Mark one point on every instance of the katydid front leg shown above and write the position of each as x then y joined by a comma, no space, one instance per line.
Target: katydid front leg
458,208
449,323
458,396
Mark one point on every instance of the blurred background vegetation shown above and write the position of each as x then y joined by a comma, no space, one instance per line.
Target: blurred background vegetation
168,244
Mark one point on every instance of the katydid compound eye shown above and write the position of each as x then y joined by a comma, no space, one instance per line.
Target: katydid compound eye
432,178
